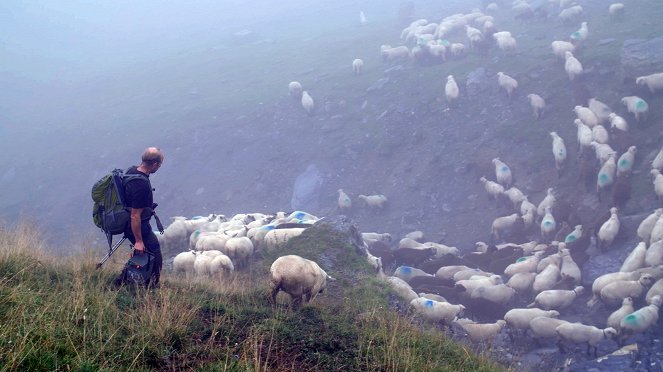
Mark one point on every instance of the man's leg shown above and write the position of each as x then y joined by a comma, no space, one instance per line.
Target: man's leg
152,246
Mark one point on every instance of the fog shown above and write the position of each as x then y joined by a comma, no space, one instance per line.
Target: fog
89,84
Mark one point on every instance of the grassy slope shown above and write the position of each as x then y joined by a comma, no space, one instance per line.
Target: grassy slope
61,314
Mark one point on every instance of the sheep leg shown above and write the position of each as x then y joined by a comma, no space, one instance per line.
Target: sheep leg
275,291
560,345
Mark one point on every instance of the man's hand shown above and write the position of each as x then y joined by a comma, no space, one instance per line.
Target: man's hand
139,246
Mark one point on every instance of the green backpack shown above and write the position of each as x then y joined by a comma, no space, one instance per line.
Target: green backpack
110,212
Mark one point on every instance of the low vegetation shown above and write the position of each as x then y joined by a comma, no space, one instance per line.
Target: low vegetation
61,313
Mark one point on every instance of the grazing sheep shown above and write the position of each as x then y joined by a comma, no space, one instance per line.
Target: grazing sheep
374,201
493,188
544,327
559,150
451,89
561,47
483,332
625,162
615,292
615,319
606,175
654,82
636,106
556,299
572,66
654,254
641,319
344,201
502,172
298,277
357,66
520,318
647,225
636,259
538,104
587,116
608,230
581,333
295,89
507,83
436,311
307,102
618,122
658,183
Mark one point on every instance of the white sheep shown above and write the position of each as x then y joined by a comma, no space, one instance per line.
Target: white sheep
507,83
374,201
581,333
561,47
655,290
467,286
447,272
276,237
574,235
600,134
307,102
382,237
502,172
211,242
295,89
569,269
538,104
635,259
606,279
201,265
654,254
618,122
457,49
432,296
587,116
528,212
603,151
658,183
657,231
569,14
600,109
657,163
606,175
616,9
469,273
625,162
636,106
608,230
436,311
647,225
297,276
397,53
642,319
357,66
506,43
483,332
556,299
615,292
220,266
543,327
441,249
584,134
546,279
183,263
572,66
548,224
499,294
558,149
522,282
416,235
581,34
401,288
524,265
407,273
502,224
451,89
493,188
654,81
239,249
344,201
615,319
520,318
515,195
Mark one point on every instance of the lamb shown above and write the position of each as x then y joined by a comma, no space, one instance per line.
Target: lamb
580,35
636,259
600,134
561,47
606,175
436,311
357,66
298,277
618,122
616,9
608,230
239,249
544,327
344,201
502,172
636,106
483,332
587,116
615,292
295,89
572,66
393,54
538,104
642,319
520,318
546,279
654,254
493,188
559,150
451,89
647,225
579,333
615,319
307,102
654,82
625,162
548,224
658,183
374,201
556,299
507,83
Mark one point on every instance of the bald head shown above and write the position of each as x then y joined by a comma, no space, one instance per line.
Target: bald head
152,156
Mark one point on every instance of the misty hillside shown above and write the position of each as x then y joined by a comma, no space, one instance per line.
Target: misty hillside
215,99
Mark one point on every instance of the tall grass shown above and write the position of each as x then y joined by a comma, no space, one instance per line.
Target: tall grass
62,313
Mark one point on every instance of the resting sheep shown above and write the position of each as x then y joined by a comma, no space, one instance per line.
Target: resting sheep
298,277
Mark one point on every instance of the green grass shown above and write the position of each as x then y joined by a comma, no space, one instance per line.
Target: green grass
61,313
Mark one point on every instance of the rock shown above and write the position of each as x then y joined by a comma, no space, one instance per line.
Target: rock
394,71
477,81
641,56
346,227
306,190
378,85
607,41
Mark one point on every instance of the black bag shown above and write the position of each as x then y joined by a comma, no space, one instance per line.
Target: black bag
138,270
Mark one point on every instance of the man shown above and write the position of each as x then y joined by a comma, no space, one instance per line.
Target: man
138,194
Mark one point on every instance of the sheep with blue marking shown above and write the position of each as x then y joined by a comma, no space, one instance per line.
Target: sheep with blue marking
636,106
436,311
641,319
